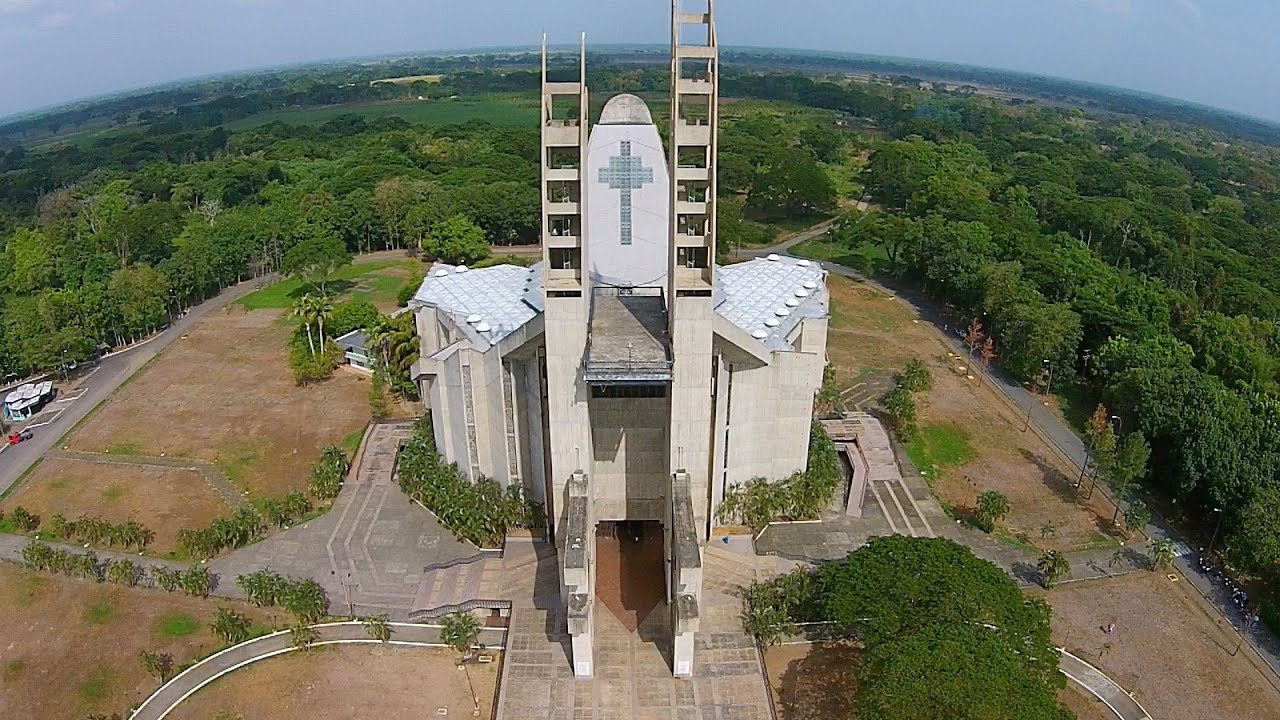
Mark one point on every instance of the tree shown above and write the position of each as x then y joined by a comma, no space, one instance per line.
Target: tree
992,507
916,376
231,626
1254,540
303,637
460,630
456,241
900,410
1136,516
1053,566
315,260
159,664
304,309
377,627
1162,553
793,184
1125,466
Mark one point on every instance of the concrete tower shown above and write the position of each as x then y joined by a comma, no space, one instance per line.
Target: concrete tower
695,107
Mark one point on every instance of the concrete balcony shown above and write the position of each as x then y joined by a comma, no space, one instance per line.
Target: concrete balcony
692,173
684,207
563,208
695,51
562,135
561,241
563,175
561,88
687,134
693,18
687,86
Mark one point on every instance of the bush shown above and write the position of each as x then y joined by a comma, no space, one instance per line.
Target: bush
242,528
479,512
92,530
23,520
348,316
916,376
992,507
40,556
286,511
125,572
327,474
233,627
900,412
802,496
306,599
308,368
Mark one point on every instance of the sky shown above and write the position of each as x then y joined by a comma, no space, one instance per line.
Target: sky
1217,52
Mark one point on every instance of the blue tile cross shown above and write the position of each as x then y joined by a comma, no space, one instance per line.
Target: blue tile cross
626,172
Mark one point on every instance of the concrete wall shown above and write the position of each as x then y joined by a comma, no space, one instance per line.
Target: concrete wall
642,261
567,395
629,474
769,409
691,399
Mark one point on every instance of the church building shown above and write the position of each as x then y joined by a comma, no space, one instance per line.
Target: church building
627,379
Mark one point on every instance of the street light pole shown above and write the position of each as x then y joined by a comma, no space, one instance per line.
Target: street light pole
1244,631
1216,528
1031,403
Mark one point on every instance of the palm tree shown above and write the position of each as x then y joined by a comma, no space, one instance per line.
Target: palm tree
377,627
302,309
1161,553
1053,566
323,308
379,332
460,630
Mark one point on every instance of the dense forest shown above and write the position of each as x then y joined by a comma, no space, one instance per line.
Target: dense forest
1139,258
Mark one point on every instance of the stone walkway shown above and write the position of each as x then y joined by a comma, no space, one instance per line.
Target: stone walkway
1104,688
372,549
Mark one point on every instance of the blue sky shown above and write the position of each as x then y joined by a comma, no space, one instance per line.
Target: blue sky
1218,52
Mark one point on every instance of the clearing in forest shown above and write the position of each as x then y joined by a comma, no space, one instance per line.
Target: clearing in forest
348,681
1166,649
972,433
224,394
70,648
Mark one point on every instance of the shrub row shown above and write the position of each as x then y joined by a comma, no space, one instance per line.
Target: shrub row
195,581
802,496
285,511
304,598
242,528
96,531
481,512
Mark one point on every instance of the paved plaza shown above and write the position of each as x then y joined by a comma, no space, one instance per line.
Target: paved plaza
633,671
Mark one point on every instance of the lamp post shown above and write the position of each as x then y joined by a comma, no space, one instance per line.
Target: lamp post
1244,631
1031,403
1216,528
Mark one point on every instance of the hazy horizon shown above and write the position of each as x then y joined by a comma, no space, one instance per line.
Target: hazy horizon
1182,49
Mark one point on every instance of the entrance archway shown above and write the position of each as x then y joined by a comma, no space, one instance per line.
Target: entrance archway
630,569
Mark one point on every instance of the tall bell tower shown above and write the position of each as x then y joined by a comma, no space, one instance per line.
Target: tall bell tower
695,108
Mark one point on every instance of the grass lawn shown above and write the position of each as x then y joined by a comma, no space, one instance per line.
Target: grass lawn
506,109
936,448
377,282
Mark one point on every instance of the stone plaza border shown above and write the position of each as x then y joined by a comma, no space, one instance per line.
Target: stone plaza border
191,680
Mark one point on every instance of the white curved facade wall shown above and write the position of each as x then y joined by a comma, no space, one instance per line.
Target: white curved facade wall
628,198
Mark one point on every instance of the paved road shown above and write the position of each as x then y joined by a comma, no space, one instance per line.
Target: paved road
1104,688
112,371
162,701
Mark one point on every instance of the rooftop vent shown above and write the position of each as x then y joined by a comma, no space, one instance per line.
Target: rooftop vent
802,293
460,269
772,322
792,302
804,263
810,285
473,319
773,257
441,272
782,312
483,327
759,334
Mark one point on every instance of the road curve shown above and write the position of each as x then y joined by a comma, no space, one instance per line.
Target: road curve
1102,687
186,683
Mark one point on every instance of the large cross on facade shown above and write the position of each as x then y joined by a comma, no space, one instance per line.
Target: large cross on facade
626,172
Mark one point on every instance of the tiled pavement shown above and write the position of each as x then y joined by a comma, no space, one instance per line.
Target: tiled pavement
633,673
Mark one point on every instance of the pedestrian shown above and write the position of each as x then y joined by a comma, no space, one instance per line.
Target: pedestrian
1111,628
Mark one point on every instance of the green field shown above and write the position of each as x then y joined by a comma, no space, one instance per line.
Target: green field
512,110
938,447
363,281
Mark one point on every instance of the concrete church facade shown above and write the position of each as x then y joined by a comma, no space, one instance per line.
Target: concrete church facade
627,378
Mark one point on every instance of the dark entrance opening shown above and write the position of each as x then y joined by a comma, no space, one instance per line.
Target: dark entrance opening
630,569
